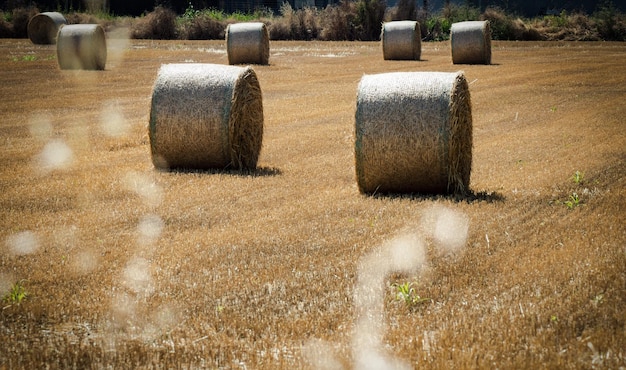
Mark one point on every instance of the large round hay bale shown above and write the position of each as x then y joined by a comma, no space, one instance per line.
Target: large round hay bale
402,40
248,43
471,42
43,27
413,133
206,116
81,46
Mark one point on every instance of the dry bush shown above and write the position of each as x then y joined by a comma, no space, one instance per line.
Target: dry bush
202,27
6,28
300,24
20,18
338,21
159,24
506,27
568,27
404,10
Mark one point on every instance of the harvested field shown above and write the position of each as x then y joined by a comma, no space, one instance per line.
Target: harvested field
125,266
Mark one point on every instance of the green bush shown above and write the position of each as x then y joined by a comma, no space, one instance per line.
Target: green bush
610,22
369,19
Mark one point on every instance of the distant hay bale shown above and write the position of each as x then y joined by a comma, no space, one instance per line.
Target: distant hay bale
413,133
43,27
402,40
81,46
206,116
471,42
248,43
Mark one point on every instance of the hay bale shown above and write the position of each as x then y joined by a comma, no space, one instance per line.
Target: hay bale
81,46
413,133
206,116
471,42
43,27
402,40
248,43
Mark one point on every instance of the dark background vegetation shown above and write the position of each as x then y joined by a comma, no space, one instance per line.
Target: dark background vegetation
579,20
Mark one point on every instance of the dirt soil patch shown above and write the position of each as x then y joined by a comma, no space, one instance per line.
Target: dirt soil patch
290,266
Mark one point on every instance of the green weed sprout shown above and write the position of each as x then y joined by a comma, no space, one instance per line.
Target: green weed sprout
406,292
578,177
16,294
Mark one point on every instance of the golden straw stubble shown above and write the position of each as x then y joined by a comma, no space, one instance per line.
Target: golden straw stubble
413,133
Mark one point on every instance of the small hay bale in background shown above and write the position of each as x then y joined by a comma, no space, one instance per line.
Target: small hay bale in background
206,116
43,27
81,46
402,40
471,42
413,133
248,43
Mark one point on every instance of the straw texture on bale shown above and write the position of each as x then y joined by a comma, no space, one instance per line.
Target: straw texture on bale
413,133
471,42
248,43
206,116
402,40
81,46
43,27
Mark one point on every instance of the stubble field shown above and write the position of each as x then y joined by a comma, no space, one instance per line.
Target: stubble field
125,266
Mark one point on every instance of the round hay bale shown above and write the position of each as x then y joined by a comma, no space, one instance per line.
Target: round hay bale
471,42
402,40
206,116
81,46
43,27
413,133
248,43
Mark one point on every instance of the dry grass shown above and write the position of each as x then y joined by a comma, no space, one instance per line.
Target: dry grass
126,266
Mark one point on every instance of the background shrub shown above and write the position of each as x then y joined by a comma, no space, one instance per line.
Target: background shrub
369,19
610,22
301,24
405,10
158,24
338,22
20,18
202,26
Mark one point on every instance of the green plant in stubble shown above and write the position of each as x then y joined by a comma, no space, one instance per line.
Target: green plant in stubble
578,177
573,201
16,294
406,292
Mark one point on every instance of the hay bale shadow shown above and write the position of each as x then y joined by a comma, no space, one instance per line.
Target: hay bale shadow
467,197
256,172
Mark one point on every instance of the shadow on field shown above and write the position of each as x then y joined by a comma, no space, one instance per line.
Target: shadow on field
469,197
257,172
